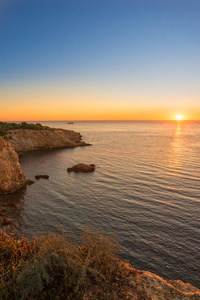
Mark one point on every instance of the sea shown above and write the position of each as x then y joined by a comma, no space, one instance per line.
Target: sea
145,190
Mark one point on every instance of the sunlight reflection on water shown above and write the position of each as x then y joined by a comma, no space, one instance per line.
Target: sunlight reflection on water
145,190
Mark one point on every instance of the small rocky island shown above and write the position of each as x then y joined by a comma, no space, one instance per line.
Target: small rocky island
82,168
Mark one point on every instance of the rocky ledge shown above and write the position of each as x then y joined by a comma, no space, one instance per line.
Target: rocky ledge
149,286
11,176
25,140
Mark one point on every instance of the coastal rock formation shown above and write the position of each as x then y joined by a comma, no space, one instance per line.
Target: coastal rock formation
11,176
149,286
25,140
82,168
20,140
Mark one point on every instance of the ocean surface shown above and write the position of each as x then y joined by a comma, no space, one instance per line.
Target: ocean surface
145,190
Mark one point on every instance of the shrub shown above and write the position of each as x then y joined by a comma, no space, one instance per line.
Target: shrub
4,127
50,267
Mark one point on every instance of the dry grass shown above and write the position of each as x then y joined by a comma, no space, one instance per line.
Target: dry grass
50,267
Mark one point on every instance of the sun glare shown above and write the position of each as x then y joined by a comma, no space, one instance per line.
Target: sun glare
179,117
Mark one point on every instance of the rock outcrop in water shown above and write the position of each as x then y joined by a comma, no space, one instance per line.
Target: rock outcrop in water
82,168
11,176
26,140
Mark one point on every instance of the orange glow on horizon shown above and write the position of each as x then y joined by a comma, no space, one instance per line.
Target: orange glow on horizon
43,106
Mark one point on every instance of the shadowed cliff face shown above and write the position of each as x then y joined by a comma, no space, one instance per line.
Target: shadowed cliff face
11,176
26,140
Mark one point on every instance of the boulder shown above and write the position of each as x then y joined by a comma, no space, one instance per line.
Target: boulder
82,168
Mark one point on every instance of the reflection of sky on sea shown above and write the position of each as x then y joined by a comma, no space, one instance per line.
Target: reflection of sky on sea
145,190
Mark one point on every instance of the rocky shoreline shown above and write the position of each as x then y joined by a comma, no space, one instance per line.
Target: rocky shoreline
143,285
21,140
148,286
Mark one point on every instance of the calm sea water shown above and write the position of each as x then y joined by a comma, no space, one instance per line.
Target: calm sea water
145,190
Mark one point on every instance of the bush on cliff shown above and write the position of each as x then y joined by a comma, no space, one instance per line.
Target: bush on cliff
4,127
50,267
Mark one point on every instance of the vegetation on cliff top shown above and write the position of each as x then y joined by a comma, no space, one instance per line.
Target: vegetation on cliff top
51,267
5,127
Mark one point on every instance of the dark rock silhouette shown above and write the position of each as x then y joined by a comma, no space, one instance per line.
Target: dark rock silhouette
41,176
82,168
29,182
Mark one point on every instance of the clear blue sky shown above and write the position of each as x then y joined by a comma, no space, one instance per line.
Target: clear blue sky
99,59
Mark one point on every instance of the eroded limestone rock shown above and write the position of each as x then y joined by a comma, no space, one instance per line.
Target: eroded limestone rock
26,140
11,176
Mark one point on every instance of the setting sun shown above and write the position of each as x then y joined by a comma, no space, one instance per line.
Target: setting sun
179,117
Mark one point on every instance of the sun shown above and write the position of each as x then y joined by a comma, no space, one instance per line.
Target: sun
179,117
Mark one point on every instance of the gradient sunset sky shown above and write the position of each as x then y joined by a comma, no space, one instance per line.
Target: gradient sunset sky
99,59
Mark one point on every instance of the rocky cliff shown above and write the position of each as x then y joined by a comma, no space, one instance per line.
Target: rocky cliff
26,140
11,176
149,286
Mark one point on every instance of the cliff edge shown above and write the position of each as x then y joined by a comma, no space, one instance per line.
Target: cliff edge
25,140
149,286
11,176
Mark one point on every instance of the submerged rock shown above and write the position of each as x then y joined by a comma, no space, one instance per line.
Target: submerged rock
11,176
82,168
41,176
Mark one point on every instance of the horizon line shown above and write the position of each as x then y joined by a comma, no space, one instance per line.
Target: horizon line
166,120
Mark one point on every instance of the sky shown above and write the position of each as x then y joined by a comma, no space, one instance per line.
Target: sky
99,59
